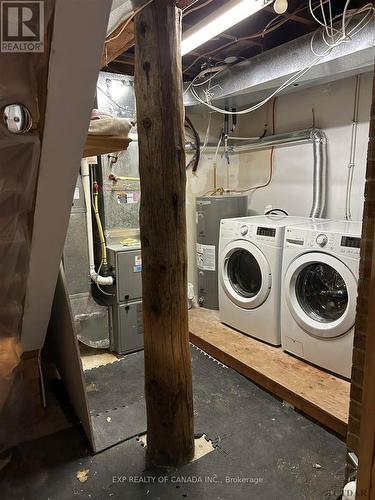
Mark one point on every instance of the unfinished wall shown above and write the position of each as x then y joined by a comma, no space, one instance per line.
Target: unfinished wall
291,187
23,82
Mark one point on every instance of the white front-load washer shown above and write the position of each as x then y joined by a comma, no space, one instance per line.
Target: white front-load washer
319,293
250,258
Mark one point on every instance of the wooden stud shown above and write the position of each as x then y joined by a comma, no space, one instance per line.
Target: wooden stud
160,119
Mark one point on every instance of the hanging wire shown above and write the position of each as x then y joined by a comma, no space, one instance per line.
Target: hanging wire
191,9
197,145
271,161
344,36
353,148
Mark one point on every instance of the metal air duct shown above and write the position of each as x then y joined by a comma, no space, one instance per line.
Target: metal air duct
318,139
254,79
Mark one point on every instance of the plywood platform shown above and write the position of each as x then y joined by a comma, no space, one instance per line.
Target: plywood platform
315,392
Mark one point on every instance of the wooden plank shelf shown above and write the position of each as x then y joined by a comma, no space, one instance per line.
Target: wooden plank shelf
315,392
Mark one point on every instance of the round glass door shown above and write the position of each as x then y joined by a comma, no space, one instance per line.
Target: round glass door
321,291
245,274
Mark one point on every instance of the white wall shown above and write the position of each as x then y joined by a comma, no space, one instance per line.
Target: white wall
291,186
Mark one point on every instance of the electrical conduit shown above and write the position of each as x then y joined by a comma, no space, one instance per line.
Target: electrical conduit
85,176
103,245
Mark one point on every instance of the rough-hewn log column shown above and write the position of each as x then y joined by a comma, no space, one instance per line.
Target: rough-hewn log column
160,118
362,404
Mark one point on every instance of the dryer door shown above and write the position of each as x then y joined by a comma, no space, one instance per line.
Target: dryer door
321,293
245,274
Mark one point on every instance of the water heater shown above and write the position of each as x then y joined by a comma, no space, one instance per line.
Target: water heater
209,212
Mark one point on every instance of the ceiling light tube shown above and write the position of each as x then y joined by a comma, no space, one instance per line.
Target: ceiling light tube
219,21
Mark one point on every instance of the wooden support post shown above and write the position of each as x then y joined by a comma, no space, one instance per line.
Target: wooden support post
160,119
366,305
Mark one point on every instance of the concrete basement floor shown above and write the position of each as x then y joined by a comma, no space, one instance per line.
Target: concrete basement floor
263,450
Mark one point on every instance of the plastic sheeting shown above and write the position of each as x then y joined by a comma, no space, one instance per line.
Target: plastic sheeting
22,81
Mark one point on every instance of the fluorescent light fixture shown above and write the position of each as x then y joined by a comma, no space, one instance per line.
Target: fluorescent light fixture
220,20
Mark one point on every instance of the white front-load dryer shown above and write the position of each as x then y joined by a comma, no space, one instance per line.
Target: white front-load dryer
319,293
250,259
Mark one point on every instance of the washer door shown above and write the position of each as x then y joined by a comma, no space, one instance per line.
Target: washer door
321,293
245,274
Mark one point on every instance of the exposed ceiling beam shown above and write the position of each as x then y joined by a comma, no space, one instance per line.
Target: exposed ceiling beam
125,59
198,54
118,42
120,68
293,17
122,38
231,37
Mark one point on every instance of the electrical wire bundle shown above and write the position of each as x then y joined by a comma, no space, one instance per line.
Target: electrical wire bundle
191,130
331,37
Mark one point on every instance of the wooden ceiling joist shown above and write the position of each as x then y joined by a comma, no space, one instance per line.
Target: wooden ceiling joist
122,38
126,59
293,17
118,42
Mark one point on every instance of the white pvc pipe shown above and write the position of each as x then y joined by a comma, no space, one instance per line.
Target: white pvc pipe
85,176
349,491
101,280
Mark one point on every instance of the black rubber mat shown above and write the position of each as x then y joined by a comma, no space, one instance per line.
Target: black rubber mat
116,399
116,384
263,451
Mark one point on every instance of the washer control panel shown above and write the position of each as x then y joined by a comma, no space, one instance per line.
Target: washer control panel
337,243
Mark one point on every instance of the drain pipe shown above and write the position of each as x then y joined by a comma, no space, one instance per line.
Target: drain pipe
318,139
85,175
